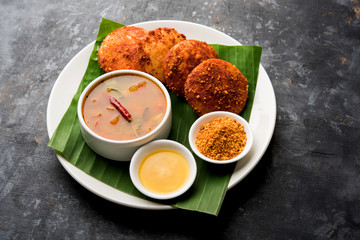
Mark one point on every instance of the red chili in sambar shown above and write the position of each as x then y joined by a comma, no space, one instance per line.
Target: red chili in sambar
139,96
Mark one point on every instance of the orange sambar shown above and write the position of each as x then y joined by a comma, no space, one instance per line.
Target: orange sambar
140,96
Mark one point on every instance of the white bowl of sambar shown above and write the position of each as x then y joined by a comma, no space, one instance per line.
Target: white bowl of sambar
122,110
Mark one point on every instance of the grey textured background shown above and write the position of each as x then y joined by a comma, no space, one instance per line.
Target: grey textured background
307,185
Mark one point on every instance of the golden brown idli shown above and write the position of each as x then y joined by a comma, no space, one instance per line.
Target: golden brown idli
122,49
216,85
157,44
182,59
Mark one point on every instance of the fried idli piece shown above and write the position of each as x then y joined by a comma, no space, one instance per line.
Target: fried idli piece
216,85
182,59
156,45
122,49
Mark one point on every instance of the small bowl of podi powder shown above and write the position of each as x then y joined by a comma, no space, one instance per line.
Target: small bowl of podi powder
220,137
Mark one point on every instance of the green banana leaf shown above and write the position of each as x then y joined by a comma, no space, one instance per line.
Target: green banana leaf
210,186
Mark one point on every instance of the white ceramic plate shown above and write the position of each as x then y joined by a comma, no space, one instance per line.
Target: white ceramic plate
262,118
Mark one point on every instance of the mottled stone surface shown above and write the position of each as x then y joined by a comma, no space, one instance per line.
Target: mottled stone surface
307,185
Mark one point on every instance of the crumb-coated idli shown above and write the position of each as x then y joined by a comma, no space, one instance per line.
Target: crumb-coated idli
156,45
122,49
216,85
182,59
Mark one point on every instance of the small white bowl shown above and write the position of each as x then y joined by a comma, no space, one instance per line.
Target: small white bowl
195,128
123,150
142,152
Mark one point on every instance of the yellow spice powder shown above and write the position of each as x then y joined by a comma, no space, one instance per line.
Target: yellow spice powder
221,139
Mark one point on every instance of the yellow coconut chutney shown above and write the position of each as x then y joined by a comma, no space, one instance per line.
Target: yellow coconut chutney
164,171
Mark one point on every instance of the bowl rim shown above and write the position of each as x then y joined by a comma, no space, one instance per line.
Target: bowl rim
146,149
112,74
214,115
